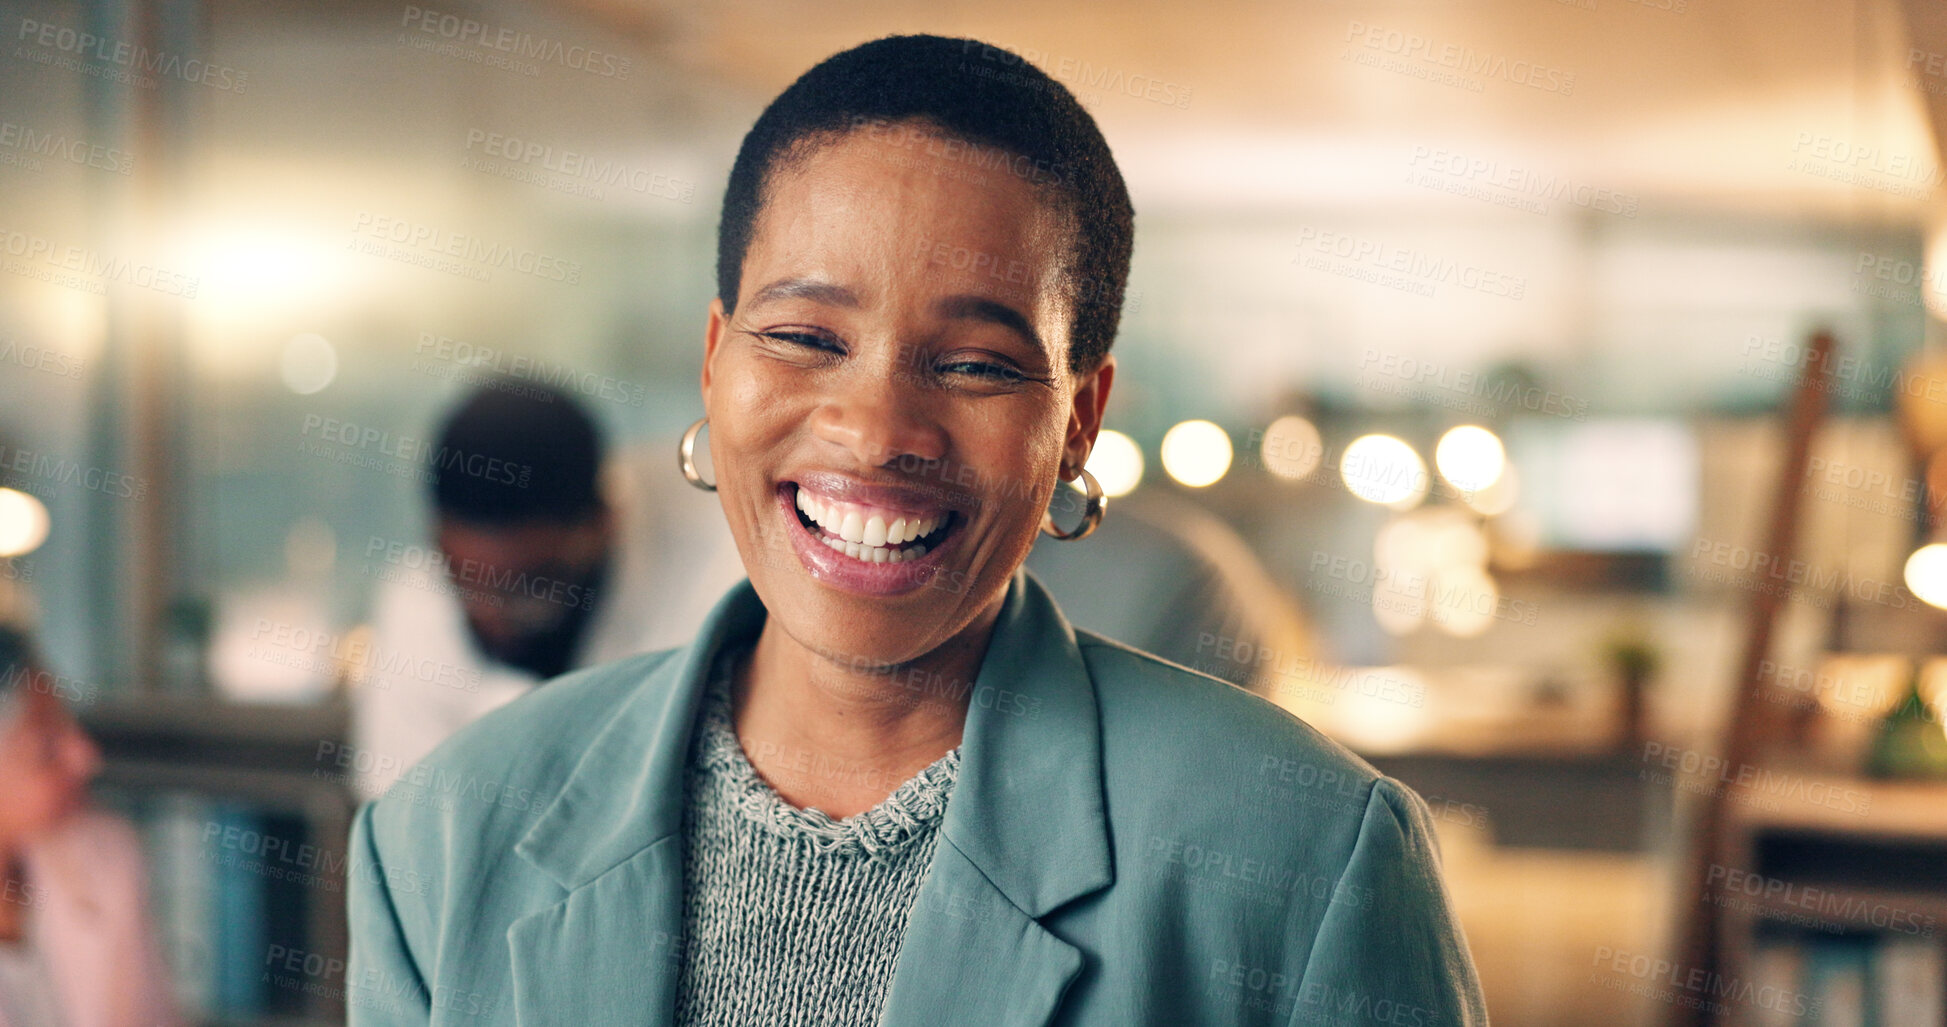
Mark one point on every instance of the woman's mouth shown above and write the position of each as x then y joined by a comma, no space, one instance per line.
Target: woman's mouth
871,534
866,547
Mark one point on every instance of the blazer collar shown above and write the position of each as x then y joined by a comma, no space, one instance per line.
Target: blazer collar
1027,809
627,793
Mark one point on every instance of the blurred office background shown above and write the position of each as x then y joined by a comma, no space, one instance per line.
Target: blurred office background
1478,323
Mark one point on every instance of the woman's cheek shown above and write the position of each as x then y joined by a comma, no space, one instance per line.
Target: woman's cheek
748,384
747,416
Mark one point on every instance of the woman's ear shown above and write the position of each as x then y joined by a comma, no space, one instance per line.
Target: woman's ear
712,334
1085,416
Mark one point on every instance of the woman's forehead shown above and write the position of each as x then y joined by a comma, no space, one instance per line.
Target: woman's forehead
877,199
873,215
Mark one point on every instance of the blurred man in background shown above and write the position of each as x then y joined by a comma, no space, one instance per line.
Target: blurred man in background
547,560
77,948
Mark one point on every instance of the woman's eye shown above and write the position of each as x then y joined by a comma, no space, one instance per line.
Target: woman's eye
805,339
982,369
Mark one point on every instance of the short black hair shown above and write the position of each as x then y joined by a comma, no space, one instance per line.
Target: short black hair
974,91
515,453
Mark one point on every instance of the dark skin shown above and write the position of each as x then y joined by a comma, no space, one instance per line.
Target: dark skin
849,355
514,627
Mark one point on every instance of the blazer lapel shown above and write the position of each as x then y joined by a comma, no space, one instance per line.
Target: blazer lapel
971,957
611,951
1025,832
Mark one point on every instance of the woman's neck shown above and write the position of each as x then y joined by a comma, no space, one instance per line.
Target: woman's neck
827,734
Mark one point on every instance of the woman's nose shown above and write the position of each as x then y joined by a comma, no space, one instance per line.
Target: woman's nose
882,420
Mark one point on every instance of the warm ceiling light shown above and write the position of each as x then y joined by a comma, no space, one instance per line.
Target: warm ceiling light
1196,453
1385,470
1470,457
1116,462
1292,447
23,523
1926,574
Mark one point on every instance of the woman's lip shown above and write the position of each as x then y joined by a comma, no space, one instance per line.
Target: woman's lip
831,567
925,500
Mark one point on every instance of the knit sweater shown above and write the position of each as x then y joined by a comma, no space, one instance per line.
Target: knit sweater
789,916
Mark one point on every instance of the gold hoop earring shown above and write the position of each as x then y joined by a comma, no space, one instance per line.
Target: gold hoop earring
686,456
1091,515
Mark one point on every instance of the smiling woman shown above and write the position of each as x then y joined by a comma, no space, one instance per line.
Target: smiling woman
888,782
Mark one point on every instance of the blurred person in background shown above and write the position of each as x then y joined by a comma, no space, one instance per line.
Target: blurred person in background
77,948
1169,578
544,560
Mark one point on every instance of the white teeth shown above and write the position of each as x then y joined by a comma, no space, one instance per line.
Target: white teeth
810,505
864,534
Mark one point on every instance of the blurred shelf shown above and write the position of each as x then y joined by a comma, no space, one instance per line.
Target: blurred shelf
206,732
1922,903
1895,809
1810,878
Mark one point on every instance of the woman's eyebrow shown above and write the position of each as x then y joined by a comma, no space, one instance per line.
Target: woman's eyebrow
806,289
980,308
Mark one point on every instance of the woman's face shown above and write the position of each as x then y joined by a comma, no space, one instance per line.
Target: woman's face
45,764
890,405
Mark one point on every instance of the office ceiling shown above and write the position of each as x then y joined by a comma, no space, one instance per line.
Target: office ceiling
1769,106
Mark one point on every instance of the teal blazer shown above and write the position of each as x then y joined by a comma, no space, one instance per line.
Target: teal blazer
1129,842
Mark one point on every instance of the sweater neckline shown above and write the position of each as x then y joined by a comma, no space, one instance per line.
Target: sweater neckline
913,810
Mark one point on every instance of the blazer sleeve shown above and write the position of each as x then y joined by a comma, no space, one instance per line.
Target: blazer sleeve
383,983
1390,950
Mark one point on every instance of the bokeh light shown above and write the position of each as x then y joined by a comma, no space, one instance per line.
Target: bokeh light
1498,498
23,523
309,364
1385,470
1373,716
1399,603
1926,574
1470,457
1463,601
1117,463
1196,453
1292,447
